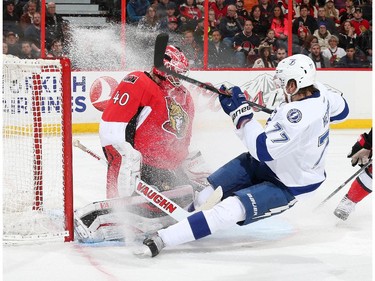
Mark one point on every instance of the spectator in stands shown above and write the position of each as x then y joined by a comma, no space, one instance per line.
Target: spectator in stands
266,8
260,23
249,4
359,23
199,32
190,11
28,16
241,10
135,10
212,22
5,49
303,33
14,47
161,8
150,22
27,52
56,50
230,25
339,4
332,12
32,33
265,60
347,35
281,54
317,56
219,8
334,53
305,20
54,29
306,48
313,11
350,60
219,55
329,23
171,11
280,25
323,35
11,19
174,32
245,43
347,13
271,41
192,50
365,42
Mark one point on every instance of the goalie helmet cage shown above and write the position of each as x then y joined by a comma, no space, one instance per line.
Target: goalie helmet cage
37,151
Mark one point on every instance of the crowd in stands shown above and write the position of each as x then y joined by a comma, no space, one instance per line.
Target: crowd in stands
21,29
242,33
250,33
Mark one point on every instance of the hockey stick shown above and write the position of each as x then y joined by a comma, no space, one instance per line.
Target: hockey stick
160,47
345,183
158,199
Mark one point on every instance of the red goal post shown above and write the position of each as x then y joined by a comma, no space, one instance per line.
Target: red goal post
37,150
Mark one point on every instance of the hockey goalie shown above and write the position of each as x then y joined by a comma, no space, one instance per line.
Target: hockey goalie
145,132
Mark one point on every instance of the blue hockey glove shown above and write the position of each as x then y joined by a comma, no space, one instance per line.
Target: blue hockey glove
236,106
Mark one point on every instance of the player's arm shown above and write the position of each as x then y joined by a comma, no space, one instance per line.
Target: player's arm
361,151
339,109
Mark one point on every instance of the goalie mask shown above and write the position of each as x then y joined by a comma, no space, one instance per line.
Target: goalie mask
174,59
300,68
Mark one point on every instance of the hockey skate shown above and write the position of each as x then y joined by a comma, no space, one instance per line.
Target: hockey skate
151,247
344,209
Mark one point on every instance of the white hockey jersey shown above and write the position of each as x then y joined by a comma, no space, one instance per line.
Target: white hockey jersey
294,142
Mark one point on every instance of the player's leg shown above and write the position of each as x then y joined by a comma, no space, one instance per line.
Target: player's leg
234,175
248,205
359,189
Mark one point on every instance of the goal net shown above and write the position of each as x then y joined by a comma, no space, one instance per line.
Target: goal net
37,150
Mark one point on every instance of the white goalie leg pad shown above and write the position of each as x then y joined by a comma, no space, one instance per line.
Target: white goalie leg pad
130,168
104,227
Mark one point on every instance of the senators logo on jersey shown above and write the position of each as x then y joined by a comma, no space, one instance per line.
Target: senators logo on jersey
178,119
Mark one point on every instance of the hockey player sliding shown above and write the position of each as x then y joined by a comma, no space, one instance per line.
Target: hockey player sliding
362,186
145,132
285,159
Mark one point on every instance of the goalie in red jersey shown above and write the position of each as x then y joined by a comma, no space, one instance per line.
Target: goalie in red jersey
146,130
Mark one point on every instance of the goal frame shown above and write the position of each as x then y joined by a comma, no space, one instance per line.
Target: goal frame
66,153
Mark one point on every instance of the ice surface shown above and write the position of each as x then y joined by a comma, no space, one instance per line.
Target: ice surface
300,244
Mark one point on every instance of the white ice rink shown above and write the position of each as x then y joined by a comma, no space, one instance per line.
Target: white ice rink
298,245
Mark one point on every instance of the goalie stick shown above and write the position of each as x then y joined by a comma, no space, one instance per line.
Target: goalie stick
345,183
158,199
161,43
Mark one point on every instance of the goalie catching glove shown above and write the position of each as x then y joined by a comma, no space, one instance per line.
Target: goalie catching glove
236,106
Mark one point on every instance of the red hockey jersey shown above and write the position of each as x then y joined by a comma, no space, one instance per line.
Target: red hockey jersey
158,120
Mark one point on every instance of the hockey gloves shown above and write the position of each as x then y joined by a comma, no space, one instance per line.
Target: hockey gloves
236,106
362,150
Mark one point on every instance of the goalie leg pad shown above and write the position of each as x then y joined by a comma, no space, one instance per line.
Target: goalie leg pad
104,227
124,166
